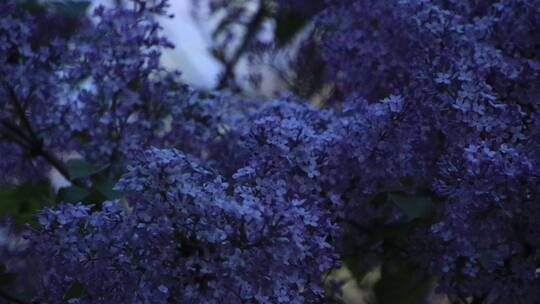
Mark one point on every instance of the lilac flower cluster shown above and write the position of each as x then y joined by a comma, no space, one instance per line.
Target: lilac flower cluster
244,242
461,81
440,96
184,235
100,93
122,98
124,95
28,96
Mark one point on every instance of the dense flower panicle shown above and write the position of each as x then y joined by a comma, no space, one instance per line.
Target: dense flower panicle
128,100
287,139
443,95
304,152
184,235
126,94
288,143
82,246
467,73
29,90
497,253
16,165
206,125
100,93
374,143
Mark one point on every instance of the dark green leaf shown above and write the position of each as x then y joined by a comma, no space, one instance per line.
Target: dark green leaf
21,202
72,194
76,290
412,206
402,283
7,278
287,26
105,186
79,168
361,275
70,8
407,181
32,6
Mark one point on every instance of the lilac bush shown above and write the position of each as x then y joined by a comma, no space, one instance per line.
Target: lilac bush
423,161
461,81
184,235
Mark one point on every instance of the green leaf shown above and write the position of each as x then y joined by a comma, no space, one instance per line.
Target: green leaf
102,190
105,187
79,168
287,26
412,206
32,6
21,202
72,194
402,283
76,290
70,8
365,278
6,277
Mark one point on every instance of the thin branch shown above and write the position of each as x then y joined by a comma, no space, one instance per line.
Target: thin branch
31,141
21,112
15,132
8,134
252,28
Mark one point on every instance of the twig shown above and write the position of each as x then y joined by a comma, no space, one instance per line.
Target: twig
252,29
30,140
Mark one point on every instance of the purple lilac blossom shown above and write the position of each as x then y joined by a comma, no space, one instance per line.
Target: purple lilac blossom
185,235
466,75
29,89
445,93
